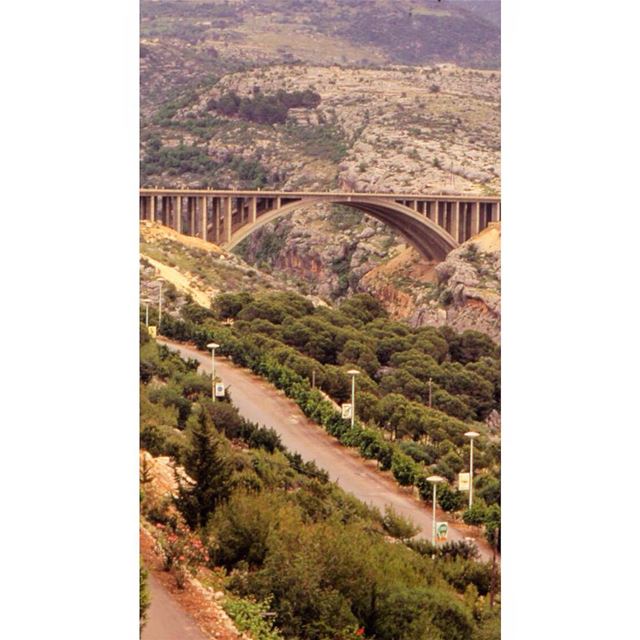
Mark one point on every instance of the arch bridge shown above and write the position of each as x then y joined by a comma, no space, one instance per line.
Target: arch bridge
433,223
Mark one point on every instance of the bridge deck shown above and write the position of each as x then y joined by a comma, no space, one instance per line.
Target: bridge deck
466,197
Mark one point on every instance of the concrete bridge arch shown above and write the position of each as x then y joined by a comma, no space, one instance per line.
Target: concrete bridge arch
428,238
433,223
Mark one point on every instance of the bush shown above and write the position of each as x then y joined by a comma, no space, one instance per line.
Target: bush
250,616
460,572
476,515
145,596
404,469
397,526
450,499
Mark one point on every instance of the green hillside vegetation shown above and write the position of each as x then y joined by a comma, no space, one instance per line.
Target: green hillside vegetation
282,337
262,108
282,540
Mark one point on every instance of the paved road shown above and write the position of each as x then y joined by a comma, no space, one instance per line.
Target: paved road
259,401
167,620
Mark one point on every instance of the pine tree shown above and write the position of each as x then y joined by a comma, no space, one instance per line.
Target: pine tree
210,470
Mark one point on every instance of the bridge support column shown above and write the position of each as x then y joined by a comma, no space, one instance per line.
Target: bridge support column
177,223
216,219
497,218
226,212
253,209
455,221
152,208
191,205
203,217
475,218
433,211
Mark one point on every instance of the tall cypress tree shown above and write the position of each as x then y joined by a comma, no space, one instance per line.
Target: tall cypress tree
210,470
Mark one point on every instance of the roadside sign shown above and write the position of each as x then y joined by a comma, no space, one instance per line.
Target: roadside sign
219,390
463,482
442,529
153,331
346,411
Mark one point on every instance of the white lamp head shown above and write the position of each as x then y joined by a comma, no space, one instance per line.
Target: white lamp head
353,372
472,434
212,345
435,479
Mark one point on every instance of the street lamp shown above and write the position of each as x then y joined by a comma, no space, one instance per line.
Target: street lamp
434,481
213,346
353,373
146,310
430,382
160,308
472,435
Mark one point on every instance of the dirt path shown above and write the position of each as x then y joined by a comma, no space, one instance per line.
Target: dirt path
167,620
179,614
180,281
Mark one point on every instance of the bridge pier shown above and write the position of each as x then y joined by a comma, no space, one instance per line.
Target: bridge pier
475,218
455,222
226,218
203,217
176,213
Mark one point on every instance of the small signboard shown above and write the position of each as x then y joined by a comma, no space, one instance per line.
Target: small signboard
219,390
346,411
442,530
463,482
153,331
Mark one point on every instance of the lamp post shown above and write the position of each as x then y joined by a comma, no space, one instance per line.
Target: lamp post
146,311
434,481
353,373
472,435
213,346
160,308
430,381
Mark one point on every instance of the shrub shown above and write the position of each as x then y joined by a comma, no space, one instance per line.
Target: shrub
449,499
250,616
460,572
397,526
145,597
476,515
183,551
404,469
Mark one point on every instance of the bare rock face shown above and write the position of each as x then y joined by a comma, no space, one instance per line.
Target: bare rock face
462,292
324,250
469,280
493,422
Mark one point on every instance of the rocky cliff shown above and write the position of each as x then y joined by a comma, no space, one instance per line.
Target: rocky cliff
463,291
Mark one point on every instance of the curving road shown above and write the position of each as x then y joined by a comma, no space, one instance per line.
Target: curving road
259,401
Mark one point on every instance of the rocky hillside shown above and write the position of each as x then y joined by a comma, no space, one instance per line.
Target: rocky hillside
316,95
193,270
372,130
463,291
188,42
